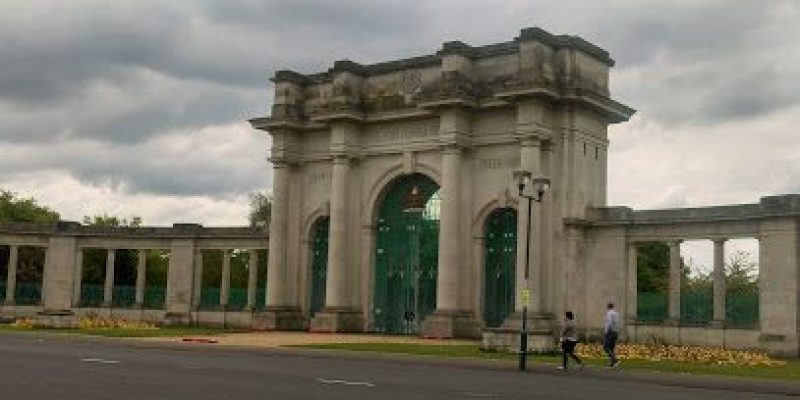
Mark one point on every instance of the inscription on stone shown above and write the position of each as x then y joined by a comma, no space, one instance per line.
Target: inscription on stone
490,163
404,132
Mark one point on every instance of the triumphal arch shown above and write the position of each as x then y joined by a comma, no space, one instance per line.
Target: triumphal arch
394,205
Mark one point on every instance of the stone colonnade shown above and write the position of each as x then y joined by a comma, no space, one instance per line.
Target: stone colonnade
613,234
674,282
65,244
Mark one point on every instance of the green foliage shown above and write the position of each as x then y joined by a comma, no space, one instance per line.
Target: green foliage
14,209
653,267
111,221
260,209
125,260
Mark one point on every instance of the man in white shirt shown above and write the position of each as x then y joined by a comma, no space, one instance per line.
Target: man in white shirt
610,335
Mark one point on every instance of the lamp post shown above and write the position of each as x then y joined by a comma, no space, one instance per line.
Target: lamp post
540,185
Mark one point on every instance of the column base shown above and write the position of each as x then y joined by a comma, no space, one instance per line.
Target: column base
337,319
177,318
542,335
56,319
280,318
448,324
718,324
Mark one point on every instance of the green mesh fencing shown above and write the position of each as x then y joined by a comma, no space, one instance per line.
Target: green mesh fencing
697,306
209,298
741,310
237,299
406,256
319,265
651,307
155,297
91,295
261,298
28,293
500,246
123,296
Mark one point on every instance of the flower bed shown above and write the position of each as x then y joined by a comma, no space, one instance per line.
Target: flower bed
690,354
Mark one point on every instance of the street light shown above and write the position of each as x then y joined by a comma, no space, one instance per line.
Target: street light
540,184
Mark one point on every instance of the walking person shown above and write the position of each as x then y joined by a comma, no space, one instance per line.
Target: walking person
569,339
610,335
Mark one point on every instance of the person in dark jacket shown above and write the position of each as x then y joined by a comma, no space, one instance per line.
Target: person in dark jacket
569,339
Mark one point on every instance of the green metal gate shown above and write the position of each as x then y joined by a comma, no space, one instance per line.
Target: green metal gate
501,259
319,264
406,259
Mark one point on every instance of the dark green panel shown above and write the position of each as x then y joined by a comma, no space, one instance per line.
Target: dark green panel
501,259
406,257
319,264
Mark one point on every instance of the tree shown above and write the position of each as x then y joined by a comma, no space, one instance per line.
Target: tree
260,209
31,259
15,209
741,273
653,267
112,221
125,260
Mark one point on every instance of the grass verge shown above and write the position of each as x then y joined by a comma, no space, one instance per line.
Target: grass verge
790,371
178,331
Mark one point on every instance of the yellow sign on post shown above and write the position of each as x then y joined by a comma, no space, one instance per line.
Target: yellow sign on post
526,297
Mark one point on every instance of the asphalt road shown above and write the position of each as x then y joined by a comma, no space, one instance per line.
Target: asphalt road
46,367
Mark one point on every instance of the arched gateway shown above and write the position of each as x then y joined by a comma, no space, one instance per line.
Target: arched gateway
412,163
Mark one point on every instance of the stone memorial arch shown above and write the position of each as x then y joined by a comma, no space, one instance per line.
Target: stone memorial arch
407,167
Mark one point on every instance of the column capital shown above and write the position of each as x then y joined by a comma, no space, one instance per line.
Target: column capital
674,242
451,148
719,240
530,141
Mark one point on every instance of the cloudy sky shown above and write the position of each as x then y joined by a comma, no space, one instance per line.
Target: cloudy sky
138,107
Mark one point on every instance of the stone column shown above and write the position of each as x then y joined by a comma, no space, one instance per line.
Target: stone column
674,299
276,272
450,319
252,278
719,282
11,280
336,285
449,243
108,288
225,285
281,313
59,272
197,277
633,286
141,274
179,277
77,280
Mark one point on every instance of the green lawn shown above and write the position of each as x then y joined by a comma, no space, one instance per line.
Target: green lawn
177,331
790,371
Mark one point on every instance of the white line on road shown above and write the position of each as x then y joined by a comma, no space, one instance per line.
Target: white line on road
343,382
99,361
473,394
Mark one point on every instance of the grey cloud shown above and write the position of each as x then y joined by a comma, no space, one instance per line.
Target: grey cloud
182,164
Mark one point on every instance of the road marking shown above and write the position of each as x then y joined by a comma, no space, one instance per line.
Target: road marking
343,382
473,394
99,361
